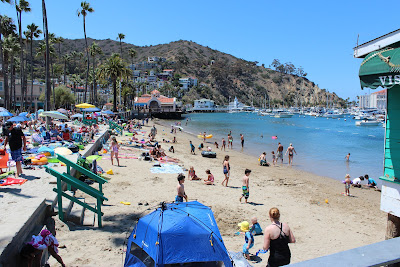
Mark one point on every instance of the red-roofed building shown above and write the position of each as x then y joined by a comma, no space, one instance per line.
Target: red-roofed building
155,103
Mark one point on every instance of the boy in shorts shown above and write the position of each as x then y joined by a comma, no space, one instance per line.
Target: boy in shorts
245,186
181,189
192,148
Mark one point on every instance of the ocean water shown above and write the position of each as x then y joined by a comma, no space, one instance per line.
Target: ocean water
321,144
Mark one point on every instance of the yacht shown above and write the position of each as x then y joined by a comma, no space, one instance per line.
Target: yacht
282,114
334,114
368,122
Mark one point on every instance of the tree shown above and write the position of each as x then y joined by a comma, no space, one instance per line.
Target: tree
66,58
63,97
59,40
132,54
7,27
85,9
11,48
47,56
4,71
22,6
32,32
75,79
94,50
121,36
114,68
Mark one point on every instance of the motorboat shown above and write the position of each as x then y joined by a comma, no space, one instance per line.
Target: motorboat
333,114
282,114
368,122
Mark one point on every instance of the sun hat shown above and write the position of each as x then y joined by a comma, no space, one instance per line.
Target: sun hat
244,226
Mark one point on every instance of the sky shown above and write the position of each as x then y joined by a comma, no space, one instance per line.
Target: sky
317,35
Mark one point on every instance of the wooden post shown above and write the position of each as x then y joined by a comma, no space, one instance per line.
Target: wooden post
392,231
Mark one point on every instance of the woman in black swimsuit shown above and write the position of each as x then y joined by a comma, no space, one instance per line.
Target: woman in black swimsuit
277,238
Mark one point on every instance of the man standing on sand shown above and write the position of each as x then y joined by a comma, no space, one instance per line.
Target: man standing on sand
290,150
279,153
16,138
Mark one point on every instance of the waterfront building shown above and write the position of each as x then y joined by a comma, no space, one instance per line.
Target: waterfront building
155,102
374,100
235,106
204,105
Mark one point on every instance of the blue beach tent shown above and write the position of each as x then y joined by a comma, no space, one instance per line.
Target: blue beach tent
177,233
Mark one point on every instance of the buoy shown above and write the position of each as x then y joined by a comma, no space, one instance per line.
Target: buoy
110,171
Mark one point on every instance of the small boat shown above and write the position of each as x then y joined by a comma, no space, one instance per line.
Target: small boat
368,123
333,114
282,114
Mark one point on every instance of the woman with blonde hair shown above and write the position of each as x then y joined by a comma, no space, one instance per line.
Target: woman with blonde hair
277,236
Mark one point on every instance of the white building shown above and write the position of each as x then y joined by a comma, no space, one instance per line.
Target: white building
235,106
374,100
204,105
188,82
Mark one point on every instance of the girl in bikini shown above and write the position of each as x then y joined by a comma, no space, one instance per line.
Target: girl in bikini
114,150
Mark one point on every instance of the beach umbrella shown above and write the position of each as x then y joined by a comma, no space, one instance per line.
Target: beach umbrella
23,114
3,109
61,110
54,115
40,111
78,115
46,149
63,151
6,113
91,109
17,119
85,105
107,112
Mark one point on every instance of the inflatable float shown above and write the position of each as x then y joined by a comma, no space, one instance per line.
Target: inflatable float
38,160
200,136
209,154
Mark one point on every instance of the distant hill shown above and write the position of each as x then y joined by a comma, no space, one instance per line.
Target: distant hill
221,75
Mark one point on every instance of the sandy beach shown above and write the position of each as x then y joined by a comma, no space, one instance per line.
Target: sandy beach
321,218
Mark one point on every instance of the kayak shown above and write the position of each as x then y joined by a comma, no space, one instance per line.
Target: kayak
200,136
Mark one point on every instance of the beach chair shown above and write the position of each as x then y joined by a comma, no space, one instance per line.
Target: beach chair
4,157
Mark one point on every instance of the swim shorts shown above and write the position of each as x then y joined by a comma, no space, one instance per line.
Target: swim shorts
178,199
245,192
279,155
245,250
16,155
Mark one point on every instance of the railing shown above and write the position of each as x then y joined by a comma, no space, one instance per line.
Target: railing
115,126
76,183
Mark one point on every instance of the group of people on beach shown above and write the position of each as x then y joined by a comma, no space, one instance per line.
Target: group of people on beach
290,151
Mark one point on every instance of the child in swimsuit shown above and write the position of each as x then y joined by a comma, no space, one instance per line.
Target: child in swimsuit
273,157
347,183
114,150
223,144
192,174
210,178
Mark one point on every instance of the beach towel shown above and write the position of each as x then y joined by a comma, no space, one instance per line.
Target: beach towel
44,240
11,181
167,168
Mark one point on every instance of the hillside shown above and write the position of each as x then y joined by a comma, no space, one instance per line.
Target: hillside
221,75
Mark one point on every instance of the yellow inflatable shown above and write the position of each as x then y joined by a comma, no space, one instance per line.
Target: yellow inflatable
41,161
200,136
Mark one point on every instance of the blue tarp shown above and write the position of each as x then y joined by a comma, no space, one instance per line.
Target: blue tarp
178,233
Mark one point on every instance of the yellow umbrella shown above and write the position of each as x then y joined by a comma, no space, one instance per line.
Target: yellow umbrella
85,105
62,151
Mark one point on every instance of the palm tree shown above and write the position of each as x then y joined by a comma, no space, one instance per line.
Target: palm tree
66,58
32,32
22,6
132,54
11,48
75,79
4,72
121,36
59,40
85,9
47,56
114,68
94,50
7,27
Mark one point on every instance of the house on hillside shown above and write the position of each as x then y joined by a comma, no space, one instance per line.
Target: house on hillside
187,83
